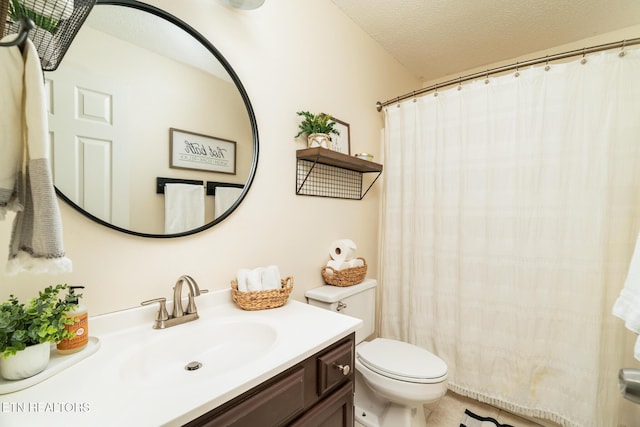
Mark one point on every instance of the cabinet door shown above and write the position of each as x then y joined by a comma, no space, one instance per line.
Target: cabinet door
270,407
334,411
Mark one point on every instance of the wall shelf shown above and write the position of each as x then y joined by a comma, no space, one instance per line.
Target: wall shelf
326,173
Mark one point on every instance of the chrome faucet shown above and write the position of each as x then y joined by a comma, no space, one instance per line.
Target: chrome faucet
179,315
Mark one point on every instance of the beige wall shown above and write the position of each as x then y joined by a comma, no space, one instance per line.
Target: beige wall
290,55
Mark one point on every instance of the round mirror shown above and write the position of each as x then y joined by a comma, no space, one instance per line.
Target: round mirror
141,102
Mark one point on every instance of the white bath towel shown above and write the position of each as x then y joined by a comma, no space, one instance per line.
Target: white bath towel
183,207
36,240
241,278
271,277
224,198
627,306
254,279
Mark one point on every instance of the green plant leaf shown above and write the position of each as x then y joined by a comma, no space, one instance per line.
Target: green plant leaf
42,319
316,123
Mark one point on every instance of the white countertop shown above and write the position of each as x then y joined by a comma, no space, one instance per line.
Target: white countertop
100,390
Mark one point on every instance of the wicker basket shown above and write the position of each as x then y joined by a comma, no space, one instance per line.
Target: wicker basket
345,277
260,300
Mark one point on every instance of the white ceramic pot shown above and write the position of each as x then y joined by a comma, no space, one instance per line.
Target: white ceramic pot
25,363
318,140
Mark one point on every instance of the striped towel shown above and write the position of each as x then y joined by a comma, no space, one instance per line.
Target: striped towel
36,240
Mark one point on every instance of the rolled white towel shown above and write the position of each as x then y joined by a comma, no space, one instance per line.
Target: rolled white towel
271,277
241,277
254,279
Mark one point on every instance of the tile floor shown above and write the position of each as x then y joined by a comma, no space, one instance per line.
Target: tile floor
450,411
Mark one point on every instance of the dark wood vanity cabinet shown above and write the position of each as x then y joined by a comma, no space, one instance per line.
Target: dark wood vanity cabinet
317,392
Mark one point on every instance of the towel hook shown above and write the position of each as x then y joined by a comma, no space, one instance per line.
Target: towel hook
26,25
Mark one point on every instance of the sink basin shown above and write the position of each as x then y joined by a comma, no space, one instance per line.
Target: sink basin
215,347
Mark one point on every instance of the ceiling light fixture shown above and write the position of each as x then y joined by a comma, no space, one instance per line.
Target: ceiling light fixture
243,4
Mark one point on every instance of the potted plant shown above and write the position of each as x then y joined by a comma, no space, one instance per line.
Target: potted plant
27,331
318,128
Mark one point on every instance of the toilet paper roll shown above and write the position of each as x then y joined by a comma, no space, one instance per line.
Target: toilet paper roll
343,250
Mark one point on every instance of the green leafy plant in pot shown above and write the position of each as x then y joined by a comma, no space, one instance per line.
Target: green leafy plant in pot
27,331
318,128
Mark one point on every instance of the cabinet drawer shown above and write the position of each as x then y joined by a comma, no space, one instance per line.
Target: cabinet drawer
335,367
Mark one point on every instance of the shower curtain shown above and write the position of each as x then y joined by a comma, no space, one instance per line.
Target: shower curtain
511,208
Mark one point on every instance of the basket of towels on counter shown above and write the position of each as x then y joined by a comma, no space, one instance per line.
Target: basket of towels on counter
344,269
260,288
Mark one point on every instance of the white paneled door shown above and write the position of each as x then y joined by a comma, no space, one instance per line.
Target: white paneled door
89,155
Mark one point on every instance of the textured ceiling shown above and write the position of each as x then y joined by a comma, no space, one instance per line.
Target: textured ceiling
435,38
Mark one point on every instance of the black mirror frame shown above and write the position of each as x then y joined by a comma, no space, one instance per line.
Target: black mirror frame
245,98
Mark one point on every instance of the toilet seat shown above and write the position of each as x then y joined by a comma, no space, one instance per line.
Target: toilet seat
401,361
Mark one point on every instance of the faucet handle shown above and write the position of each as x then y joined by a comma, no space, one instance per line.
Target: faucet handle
162,312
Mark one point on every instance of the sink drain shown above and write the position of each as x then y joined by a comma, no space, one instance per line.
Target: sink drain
193,366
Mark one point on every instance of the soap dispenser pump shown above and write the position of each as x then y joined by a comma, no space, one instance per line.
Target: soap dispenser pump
79,328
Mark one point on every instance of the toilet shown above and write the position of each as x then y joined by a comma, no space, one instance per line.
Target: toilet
394,379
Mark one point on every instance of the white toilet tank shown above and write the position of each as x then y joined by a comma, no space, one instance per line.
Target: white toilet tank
357,301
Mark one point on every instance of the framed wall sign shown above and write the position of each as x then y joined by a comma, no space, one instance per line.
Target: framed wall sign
190,150
341,142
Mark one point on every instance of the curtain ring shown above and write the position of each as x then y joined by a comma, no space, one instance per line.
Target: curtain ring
435,93
459,83
517,74
622,52
486,78
546,66
414,96
584,58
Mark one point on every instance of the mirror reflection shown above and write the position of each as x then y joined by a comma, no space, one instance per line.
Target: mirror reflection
139,102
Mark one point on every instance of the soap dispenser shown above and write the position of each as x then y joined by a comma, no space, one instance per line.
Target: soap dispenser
79,328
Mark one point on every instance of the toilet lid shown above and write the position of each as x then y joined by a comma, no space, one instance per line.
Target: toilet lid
402,361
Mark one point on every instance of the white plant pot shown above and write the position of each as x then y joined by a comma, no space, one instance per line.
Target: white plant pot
318,140
25,363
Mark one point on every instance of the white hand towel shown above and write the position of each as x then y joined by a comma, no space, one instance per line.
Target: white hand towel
184,207
254,279
241,277
271,277
627,306
36,241
11,84
224,198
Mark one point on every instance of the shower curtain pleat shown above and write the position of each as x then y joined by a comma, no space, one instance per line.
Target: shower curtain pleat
510,214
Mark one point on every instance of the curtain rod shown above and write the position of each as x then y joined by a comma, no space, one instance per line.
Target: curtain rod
621,44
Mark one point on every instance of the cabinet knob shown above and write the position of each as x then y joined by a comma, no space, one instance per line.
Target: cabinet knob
345,369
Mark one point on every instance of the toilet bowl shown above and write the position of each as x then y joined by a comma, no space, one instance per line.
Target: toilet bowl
394,379
399,378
